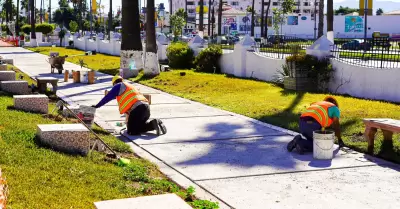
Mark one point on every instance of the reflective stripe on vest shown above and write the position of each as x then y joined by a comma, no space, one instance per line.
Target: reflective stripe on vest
319,111
129,98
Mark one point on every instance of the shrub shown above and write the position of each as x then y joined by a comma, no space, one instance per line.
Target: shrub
73,26
4,27
208,60
44,28
180,55
26,29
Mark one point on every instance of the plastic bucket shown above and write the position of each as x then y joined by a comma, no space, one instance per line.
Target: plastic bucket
323,145
84,77
86,114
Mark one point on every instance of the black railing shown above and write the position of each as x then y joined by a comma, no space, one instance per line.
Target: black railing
374,53
279,47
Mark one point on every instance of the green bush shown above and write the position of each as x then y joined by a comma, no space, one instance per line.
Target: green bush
208,60
44,28
26,29
180,55
4,27
73,26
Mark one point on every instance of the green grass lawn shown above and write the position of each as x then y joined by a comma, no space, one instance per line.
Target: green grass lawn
103,63
272,104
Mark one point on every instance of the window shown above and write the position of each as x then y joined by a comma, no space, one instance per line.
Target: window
235,3
274,3
191,11
306,4
190,3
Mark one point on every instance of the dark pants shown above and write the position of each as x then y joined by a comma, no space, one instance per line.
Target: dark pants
138,120
307,126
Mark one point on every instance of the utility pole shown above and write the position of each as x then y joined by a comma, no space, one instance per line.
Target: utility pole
49,11
110,20
315,20
91,17
208,18
365,23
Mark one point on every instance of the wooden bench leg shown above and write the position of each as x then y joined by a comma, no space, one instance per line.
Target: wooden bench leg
370,136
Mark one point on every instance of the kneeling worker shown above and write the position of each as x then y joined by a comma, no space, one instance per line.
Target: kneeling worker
319,115
135,107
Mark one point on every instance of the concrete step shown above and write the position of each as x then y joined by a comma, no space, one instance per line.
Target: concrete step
8,61
15,87
3,67
69,138
165,201
32,103
7,76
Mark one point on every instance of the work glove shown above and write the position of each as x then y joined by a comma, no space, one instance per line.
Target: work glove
94,106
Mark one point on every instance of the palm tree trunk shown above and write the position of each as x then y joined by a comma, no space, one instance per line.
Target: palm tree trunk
151,66
131,45
262,18
252,19
219,39
201,18
110,19
209,17
321,18
17,21
81,14
186,18
33,25
329,23
266,20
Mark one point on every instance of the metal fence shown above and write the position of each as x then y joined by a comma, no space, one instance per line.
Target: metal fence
279,47
374,53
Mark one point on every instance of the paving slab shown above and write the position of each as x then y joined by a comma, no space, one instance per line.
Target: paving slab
205,128
368,188
165,201
246,157
184,111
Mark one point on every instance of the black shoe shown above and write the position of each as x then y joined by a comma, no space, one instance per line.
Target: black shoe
341,143
299,149
162,126
292,144
155,126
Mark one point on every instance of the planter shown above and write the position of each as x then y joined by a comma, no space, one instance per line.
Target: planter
91,77
299,84
76,76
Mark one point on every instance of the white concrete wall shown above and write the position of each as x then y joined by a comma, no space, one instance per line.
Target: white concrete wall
104,47
261,67
370,83
91,45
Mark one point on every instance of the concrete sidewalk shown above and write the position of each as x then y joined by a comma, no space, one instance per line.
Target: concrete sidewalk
232,159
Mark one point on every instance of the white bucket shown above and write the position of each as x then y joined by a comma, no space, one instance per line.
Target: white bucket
323,145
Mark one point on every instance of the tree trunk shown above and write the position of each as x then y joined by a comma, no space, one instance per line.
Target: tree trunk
33,25
252,19
262,18
329,23
110,20
209,17
81,14
201,18
321,19
131,45
266,20
17,21
151,66
219,39
186,18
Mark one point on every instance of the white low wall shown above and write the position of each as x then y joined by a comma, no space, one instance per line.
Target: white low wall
369,83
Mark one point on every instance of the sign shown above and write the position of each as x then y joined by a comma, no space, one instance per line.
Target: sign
205,9
293,20
94,6
353,24
304,18
229,21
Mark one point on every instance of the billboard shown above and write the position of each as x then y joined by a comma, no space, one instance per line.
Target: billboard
353,24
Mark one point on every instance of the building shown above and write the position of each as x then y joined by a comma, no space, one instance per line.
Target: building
302,6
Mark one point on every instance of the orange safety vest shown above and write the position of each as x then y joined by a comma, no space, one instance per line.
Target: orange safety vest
319,111
127,99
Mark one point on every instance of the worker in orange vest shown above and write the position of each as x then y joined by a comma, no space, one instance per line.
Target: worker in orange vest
318,116
135,107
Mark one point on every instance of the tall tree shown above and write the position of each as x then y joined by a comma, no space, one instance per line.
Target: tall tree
219,39
262,18
329,22
252,18
379,11
131,45
17,21
321,18
345,10
151,66
186,11
266,20
201,17
209,17
33,24
110,21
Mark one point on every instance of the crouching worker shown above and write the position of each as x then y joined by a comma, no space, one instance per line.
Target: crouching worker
319,115
135,107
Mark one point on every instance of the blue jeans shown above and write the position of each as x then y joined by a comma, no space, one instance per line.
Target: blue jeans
307,126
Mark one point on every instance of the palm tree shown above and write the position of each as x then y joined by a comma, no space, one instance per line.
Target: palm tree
262,18
266,20
33,25
131,45
321,18
252,19
17,21
209,18
329,22
151,67
219,21
110,19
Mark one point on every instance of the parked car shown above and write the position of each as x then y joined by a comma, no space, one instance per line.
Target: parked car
356,44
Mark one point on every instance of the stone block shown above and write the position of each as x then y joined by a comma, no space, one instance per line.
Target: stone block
3,67
164,68
32,103
3,196
15,87
164,201
7,76
8,61
69,138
